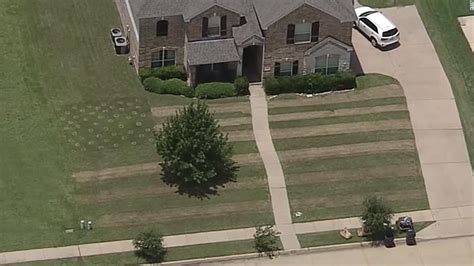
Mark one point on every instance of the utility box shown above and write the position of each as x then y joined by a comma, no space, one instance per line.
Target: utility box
115,32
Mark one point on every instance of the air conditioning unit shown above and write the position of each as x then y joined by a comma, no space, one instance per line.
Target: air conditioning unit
121,45
115,32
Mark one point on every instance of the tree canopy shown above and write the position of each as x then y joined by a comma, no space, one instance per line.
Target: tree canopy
196,154
150,246
376,215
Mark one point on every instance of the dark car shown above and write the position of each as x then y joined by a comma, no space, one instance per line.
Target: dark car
410,238
389,240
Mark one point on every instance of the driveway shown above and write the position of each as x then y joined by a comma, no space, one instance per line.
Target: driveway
434,115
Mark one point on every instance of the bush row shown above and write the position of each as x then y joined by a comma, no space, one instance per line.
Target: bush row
311,83
164,73
211,90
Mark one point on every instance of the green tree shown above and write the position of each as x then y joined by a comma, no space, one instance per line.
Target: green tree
266,240
196,154
376,216
150,246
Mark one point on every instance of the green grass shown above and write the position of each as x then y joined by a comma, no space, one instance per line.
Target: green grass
333,238
386,3
440,19
340,119
57,58
335,185
173,254
341,139
374,80
69,104
336,106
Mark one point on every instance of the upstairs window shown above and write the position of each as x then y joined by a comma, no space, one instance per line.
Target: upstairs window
302,33
163,58
214,26
162,28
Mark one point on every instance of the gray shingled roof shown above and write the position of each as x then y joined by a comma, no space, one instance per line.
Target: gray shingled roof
270,11
211,52
186,8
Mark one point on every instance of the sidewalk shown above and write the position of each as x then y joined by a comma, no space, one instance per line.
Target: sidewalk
275,177
445,226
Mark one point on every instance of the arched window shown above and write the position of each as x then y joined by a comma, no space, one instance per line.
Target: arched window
162,28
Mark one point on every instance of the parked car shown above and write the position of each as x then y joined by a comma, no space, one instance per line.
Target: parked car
378,28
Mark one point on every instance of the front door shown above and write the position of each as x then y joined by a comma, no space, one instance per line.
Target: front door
252,63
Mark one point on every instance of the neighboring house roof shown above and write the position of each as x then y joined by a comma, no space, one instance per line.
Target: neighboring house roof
212,51
270,11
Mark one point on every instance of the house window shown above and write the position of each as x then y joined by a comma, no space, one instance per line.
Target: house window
327,64
214,26
302,33
163,58
286,68
162,28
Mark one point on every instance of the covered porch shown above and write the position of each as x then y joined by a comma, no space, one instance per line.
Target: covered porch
212,61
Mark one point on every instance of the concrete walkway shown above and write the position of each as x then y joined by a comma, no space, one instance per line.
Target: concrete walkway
434,116
275,177
441,216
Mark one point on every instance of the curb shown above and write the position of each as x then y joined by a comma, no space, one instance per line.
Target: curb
307,250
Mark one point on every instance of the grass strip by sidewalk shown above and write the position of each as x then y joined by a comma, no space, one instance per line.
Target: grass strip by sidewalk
386,3
173,254
333,237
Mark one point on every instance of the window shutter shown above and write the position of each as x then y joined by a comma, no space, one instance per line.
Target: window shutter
315,31
205,23
277,69
290,34
295,68
223,25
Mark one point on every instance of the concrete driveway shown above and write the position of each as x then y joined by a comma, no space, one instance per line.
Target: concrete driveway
434,115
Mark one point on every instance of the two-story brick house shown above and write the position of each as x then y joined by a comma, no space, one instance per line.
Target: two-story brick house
217,40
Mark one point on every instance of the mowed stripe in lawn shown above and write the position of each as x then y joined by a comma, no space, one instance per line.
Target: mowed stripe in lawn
340,119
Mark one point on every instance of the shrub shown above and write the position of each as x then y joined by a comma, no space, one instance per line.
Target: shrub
145,74
376,216
215,90
171,86
164,73
153,84
172,72
311,83
242,86
150,246
272,86
266,240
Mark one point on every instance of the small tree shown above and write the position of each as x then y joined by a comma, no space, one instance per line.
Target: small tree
376,216
266,240
196,154
150,246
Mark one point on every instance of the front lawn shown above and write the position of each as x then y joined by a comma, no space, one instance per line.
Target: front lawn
386,3
440,19
339,148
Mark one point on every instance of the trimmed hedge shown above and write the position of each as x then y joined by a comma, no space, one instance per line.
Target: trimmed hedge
164,73
311,83
215,90
242,86
171,86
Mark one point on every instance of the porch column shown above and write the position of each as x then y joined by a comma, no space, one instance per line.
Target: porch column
240,50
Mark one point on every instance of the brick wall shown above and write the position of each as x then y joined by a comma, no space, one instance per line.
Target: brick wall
194,27
126,19
150,43
276,48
